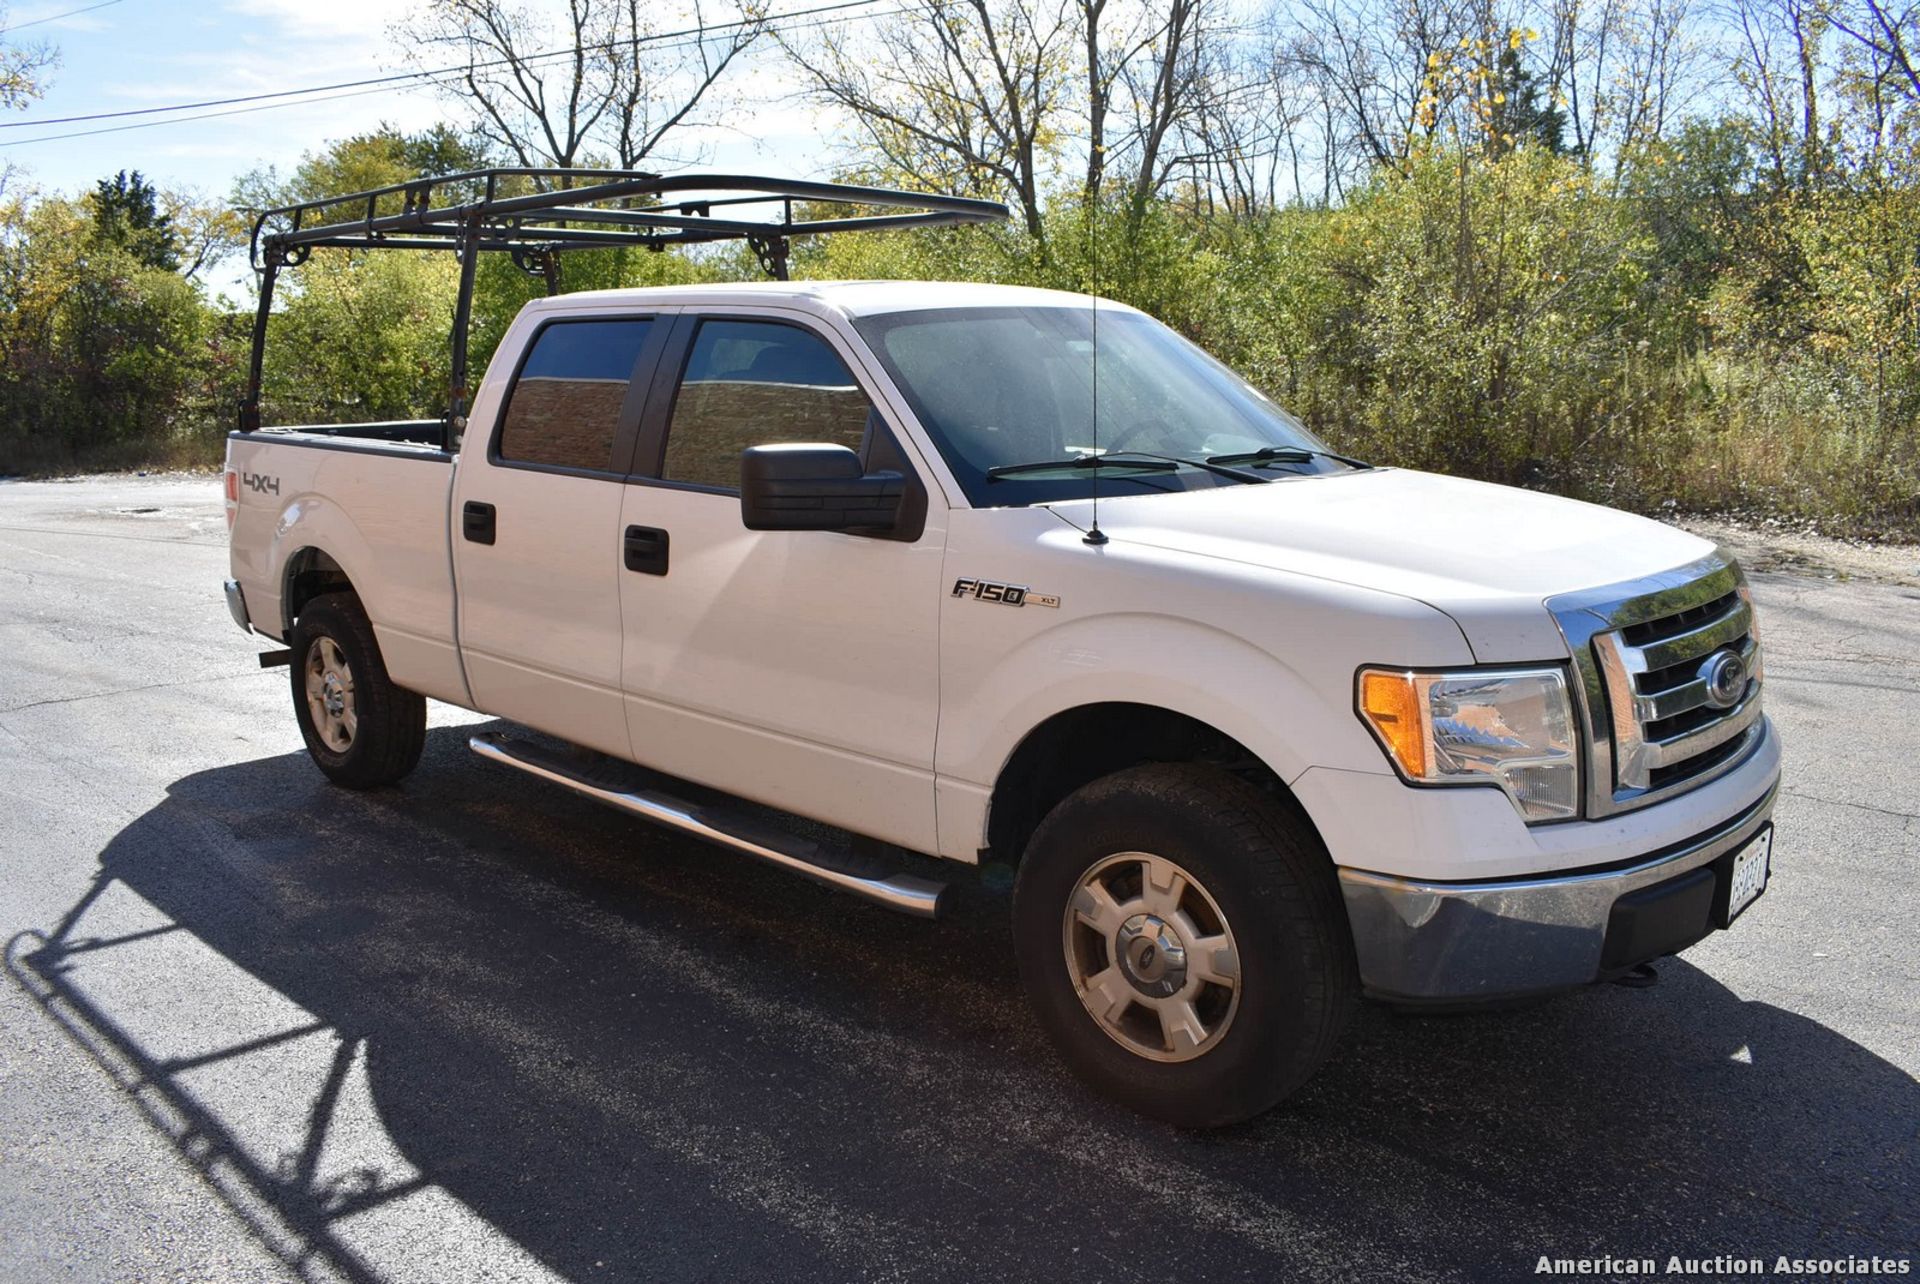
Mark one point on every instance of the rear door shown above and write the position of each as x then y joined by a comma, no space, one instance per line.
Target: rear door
536,527
798,668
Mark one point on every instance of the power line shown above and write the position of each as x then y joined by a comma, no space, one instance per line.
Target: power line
213,102
769,21
180,120
428,78
55,17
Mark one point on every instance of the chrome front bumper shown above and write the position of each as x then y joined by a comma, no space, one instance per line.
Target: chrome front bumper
237,606
1486,941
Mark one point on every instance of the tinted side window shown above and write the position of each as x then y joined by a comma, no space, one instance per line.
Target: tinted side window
565,407
753,383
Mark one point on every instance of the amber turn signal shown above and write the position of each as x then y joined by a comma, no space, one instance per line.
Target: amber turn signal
1391,704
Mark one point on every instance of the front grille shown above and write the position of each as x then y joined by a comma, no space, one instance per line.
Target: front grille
1699,765
1670,680
1679,621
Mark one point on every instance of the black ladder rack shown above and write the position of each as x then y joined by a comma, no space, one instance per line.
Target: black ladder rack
535,215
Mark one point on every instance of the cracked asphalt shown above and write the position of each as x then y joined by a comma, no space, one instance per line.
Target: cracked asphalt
472,1028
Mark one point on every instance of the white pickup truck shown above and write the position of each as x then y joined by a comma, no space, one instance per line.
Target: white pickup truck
1262,728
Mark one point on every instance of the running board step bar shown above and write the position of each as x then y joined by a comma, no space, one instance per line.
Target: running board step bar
908,893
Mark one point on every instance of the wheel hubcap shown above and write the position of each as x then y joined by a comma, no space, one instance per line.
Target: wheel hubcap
1152,957
329,685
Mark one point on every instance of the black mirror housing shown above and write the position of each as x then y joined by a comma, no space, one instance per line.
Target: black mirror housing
802,486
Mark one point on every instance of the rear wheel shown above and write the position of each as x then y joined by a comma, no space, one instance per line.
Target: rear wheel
1181,937
360,728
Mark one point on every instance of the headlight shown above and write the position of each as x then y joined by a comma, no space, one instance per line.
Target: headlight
1513,728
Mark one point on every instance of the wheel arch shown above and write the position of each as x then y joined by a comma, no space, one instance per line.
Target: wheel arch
1076,746
308,573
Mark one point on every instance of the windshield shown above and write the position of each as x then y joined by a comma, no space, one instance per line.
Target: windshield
1002,388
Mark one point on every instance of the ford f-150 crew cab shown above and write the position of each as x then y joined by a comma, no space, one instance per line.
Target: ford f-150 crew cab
980,571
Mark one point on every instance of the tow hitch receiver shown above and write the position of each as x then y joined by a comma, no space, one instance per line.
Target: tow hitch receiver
1640,976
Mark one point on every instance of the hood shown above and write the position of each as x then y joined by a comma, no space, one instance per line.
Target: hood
1486,555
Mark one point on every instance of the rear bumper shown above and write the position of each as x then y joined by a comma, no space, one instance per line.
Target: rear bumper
237,606
1446,942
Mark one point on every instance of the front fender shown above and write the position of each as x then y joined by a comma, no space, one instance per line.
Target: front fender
1222,680
1263,656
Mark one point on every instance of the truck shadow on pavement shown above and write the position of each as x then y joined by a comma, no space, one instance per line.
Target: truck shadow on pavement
476,1027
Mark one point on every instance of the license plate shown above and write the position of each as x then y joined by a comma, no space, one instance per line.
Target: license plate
1749,878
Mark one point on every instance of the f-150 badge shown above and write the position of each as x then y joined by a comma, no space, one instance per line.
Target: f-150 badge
1005,594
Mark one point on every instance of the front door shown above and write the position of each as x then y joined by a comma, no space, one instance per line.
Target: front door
536,526
798,668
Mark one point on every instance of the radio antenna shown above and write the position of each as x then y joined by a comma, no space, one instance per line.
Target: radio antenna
1095,536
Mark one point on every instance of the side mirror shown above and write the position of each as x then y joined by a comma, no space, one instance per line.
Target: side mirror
799,486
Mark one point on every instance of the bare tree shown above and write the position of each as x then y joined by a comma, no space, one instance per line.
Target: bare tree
1255,127
1889,36
1779,65
1166,89
605,86
961,95
1370,61
1656,68
656,95
1100,73
996,96
1148,70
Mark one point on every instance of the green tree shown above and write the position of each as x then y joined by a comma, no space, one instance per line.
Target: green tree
98,348
127,214
361,336
362,162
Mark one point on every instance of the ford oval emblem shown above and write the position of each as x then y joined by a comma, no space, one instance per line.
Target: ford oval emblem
1725,674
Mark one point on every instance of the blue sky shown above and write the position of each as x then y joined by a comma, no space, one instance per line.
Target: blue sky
146,53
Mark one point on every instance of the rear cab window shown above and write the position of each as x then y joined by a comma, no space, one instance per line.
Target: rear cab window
569,398
756,383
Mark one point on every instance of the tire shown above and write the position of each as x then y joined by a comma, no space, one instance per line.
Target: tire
1259,1018
362,730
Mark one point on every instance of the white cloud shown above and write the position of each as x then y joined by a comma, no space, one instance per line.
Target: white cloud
350,22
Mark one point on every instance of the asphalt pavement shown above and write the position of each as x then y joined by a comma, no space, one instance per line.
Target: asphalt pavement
253,1027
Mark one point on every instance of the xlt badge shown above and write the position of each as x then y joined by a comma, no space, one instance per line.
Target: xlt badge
1005,594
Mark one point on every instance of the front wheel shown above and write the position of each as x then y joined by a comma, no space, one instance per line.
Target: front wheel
1181,937
360,728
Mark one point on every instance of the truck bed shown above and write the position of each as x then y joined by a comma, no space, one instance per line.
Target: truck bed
412,435
375,497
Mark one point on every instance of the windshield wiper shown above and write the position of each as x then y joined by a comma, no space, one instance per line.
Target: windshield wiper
998,471
1284,455
1137,459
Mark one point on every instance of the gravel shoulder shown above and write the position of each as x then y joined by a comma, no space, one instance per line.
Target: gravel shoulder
1782,549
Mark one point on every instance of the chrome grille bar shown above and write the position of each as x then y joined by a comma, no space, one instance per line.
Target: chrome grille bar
1688,695
1705,640
1677,749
